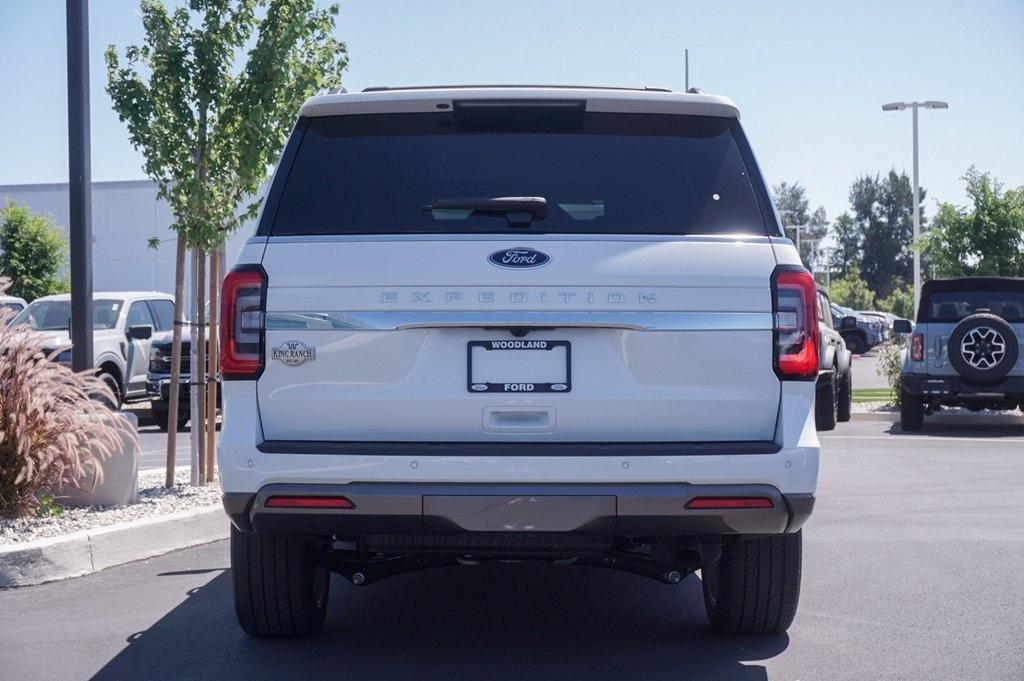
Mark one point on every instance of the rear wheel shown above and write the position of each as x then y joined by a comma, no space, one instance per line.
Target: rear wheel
856,343
911,412
160,417
280,590
844,407
755,585
825,402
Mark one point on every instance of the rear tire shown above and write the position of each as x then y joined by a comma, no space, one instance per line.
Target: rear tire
280,591
113,403
844,408
160,418
911,412
856,343
826,403
755,586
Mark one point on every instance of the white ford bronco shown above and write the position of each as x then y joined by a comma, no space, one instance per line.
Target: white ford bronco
518,323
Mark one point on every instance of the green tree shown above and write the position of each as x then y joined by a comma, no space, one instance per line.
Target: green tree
852,291
208,124
33,252
794,209
878,232
900,302
986,238
847,238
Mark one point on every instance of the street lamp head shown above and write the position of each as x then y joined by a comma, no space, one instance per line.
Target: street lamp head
932,104
894,106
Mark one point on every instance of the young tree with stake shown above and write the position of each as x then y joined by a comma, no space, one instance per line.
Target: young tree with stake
209,126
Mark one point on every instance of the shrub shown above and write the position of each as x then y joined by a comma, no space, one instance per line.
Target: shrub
900,302
31,252
53,431
890,364
852,291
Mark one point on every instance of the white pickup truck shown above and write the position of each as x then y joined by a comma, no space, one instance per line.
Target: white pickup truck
124,323
518,323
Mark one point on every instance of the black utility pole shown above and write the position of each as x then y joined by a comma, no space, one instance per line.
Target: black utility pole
79,184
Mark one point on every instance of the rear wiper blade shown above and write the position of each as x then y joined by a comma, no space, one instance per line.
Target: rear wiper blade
518,210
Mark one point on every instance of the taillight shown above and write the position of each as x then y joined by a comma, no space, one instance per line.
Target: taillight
917,347
794,295
242,303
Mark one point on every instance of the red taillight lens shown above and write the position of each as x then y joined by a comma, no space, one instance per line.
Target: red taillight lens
283,501
794,294
699,503
917,347
243,297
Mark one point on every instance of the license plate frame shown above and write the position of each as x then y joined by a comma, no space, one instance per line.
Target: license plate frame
523,386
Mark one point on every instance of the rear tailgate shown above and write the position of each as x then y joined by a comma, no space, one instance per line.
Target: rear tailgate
660,339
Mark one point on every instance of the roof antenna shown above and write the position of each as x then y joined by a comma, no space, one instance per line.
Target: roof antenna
686,52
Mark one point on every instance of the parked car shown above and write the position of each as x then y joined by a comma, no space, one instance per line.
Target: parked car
158,382
865,336
12,303
885,318
834,397
123,325
518,323
965,348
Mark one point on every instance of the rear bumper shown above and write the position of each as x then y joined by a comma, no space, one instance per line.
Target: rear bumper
619,509
928,385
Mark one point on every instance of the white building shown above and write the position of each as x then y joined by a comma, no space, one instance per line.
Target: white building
125,216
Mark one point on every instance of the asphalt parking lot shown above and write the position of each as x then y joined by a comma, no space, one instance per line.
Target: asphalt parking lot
911,572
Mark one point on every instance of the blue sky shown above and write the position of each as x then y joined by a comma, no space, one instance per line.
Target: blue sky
809,77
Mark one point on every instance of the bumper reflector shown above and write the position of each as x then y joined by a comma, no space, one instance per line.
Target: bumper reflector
706,503
309,502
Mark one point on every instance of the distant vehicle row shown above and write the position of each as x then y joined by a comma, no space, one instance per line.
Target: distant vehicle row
131,343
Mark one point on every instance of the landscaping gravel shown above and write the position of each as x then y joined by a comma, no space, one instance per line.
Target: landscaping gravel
874,408
154,500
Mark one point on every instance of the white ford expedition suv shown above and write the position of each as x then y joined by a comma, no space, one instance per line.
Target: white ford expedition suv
518,323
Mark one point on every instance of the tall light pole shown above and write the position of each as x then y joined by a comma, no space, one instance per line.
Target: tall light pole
798,229
79,184
828,250
900,106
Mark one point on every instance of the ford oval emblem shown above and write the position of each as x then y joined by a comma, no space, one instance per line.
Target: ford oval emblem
519,258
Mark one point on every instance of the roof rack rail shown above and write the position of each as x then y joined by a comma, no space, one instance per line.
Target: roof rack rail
386,88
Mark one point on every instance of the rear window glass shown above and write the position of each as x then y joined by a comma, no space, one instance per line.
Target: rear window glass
952,306
598,173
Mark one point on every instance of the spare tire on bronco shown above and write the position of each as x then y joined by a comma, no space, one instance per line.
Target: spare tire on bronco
983,348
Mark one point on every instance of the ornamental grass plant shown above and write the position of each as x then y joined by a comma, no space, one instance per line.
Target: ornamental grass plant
55,429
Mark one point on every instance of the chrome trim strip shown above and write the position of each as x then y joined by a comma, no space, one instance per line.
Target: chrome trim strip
499,238
393,320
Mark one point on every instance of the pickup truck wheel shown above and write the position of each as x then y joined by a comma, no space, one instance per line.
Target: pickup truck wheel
856,343
911,412
160,418
844,407
115,389
755,586
826,402
280,591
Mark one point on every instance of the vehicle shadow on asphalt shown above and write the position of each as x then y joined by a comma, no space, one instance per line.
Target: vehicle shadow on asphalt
489,622
958,430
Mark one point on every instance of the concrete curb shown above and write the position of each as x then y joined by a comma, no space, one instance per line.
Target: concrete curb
81,553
